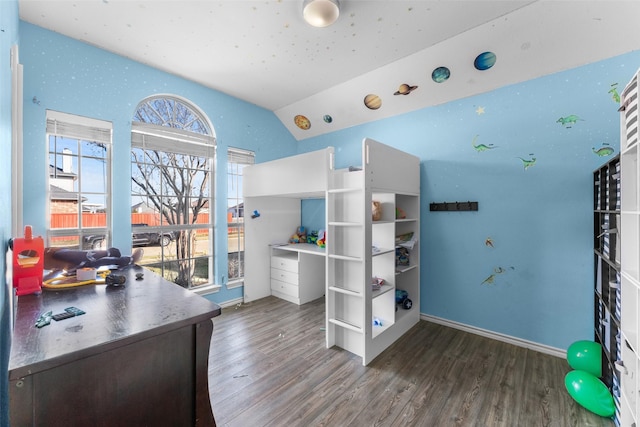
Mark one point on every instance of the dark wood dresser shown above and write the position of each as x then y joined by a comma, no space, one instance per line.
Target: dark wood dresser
138,357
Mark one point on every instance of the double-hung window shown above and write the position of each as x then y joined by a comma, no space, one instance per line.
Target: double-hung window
79,163
237,159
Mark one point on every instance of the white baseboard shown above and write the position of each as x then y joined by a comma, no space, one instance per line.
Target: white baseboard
231,302
497,336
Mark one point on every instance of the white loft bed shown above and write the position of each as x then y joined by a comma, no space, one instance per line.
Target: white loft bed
275,190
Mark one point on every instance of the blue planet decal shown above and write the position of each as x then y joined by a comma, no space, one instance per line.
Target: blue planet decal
484,61
327,118
440,74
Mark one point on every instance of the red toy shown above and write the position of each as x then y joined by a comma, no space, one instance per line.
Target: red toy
28,263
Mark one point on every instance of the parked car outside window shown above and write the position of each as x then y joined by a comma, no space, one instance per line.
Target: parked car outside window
138,238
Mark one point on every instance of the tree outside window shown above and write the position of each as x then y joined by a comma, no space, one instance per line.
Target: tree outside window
172,170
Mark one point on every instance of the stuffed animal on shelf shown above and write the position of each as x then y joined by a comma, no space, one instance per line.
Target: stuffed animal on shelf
376,210
300,236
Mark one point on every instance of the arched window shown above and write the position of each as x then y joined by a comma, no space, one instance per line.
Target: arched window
172,183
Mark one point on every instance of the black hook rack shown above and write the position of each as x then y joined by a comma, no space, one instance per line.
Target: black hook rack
453,206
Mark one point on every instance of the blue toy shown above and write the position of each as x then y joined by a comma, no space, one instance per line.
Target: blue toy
402,299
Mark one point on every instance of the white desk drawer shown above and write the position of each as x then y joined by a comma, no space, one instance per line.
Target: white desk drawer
285,263
284,288
284,276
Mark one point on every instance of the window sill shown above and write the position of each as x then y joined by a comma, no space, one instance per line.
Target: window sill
206,290
235,284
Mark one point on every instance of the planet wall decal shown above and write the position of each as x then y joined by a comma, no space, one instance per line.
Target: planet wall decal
484,61
302,122
372,102
440,74
327,118
405,89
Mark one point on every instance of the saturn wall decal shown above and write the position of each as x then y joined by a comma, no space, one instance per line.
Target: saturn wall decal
405,89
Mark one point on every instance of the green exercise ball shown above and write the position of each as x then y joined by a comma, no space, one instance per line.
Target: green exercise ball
586,356
590,392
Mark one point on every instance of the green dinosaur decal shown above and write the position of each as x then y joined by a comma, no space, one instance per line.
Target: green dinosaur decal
481,147
603,151
569,120
492,278
489,280
528,163
614,93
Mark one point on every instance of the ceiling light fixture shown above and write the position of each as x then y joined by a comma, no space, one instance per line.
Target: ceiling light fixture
320,13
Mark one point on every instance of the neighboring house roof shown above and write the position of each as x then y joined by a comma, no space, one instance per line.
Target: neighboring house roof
58,193
59,173
237,208
142,207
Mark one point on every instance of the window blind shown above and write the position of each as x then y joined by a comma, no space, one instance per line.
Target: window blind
237,155
153,137
79,127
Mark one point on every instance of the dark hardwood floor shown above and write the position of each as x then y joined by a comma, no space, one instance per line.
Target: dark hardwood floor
268,366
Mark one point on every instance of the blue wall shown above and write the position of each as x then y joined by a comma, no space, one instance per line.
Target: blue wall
67,75
534,282
8,38
533,279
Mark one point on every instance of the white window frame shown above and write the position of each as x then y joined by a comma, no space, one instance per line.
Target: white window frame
82,129
244,157
149,136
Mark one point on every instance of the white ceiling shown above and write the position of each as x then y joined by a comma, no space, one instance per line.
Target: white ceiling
264,53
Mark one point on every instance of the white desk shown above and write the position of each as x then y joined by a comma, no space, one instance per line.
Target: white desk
297,272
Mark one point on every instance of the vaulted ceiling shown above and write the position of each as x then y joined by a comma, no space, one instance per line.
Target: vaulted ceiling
264,53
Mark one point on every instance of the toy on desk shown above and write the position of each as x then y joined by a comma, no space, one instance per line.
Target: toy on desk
300,236
69,268
28,262
100,277
312,237
71,260
322,238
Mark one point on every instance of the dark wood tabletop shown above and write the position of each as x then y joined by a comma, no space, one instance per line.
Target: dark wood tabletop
115,317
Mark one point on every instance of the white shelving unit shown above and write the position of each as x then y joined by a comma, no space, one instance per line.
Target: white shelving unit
630,254
359,319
